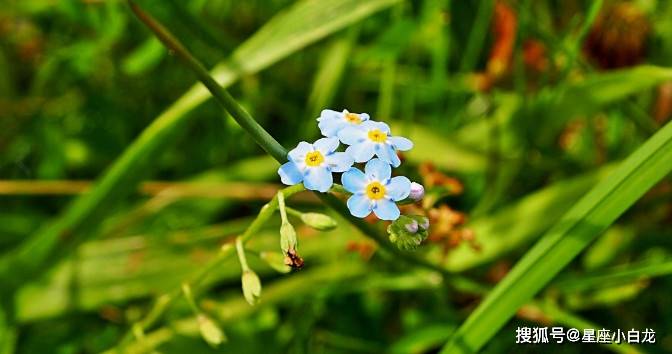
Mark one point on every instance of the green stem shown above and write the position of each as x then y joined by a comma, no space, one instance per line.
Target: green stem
242,117
189,296
282,207
294,212
241,255
163,302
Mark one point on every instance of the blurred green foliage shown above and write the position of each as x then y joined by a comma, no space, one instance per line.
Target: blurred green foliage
521,107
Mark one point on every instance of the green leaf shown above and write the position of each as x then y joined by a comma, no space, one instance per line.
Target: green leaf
521,222
453,157
587,96
422,340
579,226
143,58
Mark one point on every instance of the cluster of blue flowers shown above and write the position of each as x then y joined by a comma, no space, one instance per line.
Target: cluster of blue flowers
374,189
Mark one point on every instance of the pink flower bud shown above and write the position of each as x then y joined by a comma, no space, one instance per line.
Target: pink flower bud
417,191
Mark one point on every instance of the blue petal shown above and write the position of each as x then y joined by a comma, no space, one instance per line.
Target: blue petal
364,116
359,205
326,145
398,188
339,161
290,174
298,154
318,179
352,135
377,170
400,143
354,180
361,152
386,210
329,114
386,153
372,124
330,127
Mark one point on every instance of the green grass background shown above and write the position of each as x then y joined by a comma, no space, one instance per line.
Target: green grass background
565,173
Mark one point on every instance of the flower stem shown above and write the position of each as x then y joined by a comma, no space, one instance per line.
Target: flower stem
242,117
241,255
281,206
293,212
163,302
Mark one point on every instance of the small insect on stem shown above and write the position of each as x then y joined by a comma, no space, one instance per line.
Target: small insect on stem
293,259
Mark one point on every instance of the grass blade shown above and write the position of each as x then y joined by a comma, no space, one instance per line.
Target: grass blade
579,226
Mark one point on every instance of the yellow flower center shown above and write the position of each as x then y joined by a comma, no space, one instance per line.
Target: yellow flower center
375,191
353,118
377,136
314,158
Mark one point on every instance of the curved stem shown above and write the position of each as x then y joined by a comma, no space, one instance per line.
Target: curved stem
163,302
241,116
241,255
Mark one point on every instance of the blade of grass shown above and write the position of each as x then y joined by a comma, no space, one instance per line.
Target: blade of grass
518,224
615,276
576,43
477,36
328,77
579,226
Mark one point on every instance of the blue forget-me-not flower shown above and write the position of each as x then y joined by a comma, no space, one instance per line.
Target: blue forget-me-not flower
331,122
373,138
313,164
375,190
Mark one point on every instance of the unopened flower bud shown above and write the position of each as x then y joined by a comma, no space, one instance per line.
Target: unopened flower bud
417,191
212,334
287,237
412,227
276,261
408,232
251,286
424,222
318,221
